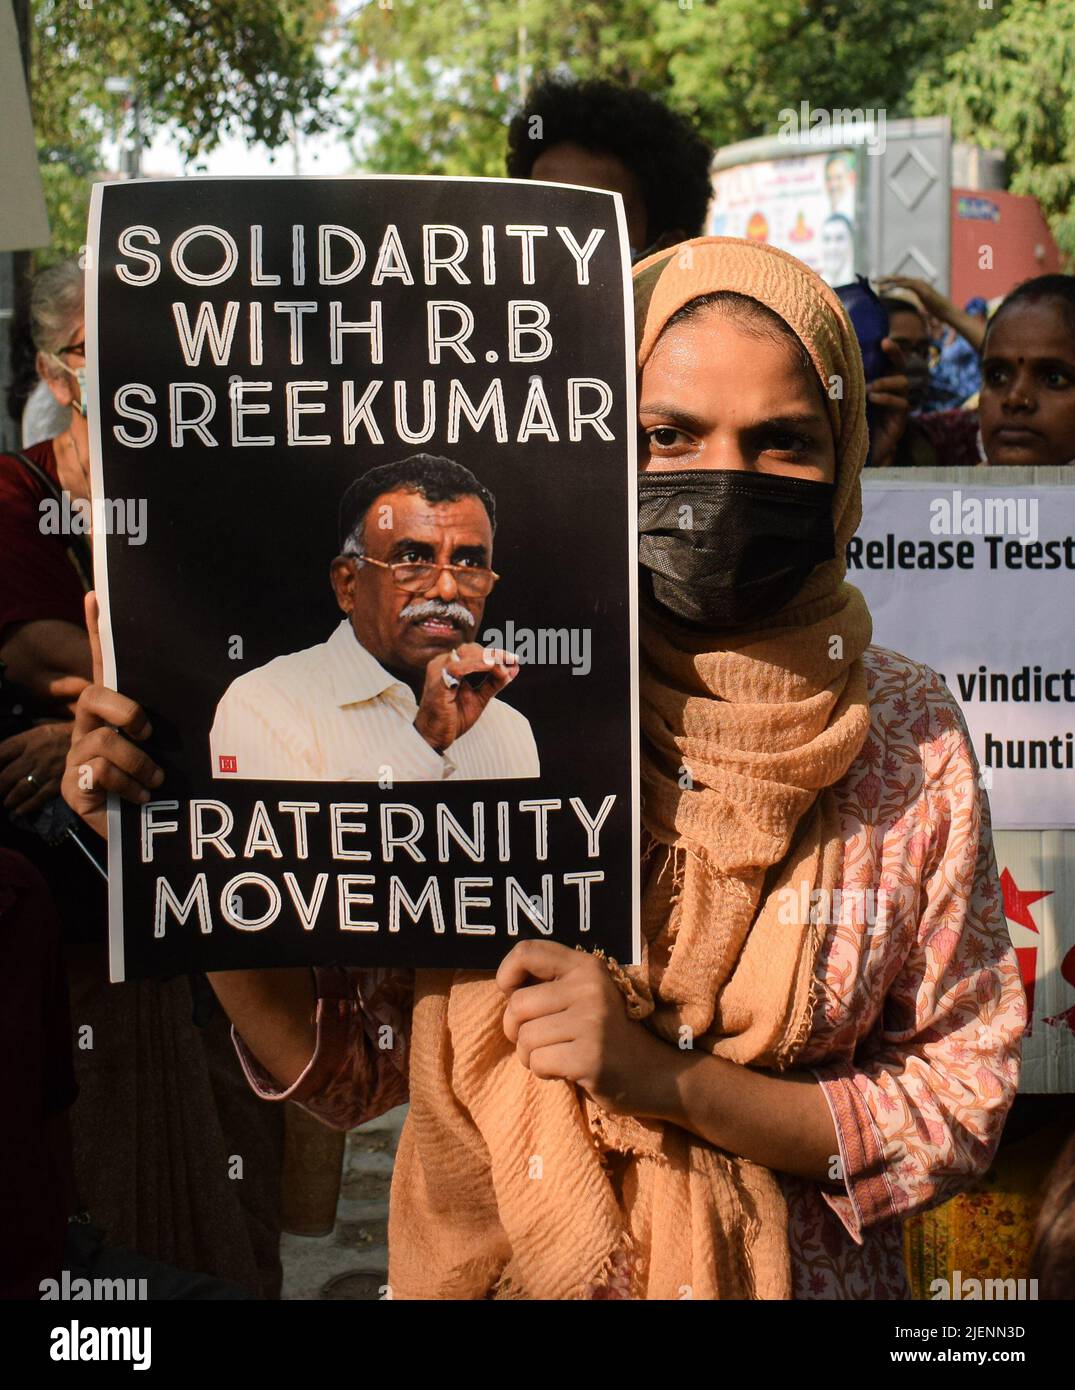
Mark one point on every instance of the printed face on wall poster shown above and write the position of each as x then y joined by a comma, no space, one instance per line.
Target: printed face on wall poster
383,616
803,203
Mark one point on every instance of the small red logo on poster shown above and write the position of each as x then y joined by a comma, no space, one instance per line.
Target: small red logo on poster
228,763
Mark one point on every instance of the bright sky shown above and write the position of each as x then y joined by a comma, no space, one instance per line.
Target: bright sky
317,155
327,154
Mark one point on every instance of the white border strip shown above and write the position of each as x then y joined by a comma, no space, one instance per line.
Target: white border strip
632,582
100,576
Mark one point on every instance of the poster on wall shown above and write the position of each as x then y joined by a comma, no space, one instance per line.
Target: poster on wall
804,204
381,610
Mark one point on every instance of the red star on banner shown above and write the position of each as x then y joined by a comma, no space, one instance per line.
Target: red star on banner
1017,903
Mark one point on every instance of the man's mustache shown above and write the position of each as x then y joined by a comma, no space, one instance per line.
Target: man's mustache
436,608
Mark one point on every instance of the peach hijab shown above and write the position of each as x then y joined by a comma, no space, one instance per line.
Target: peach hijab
767,722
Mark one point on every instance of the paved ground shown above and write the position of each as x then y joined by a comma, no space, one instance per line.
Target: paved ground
351,1263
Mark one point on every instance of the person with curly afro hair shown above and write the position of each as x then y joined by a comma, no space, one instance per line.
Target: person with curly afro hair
601,135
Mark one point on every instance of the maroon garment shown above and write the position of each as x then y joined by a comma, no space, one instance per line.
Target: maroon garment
35,1041
953,436
37,579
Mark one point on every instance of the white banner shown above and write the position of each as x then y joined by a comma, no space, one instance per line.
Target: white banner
977,583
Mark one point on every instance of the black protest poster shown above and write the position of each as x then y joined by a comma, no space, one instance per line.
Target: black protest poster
378,436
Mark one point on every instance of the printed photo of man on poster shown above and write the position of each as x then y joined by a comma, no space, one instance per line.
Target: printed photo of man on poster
401,691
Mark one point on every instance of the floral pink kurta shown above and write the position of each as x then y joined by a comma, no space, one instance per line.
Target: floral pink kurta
919,1012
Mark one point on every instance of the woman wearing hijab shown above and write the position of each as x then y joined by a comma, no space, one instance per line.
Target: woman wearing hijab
822,1035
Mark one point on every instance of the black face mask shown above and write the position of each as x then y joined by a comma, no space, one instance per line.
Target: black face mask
722,548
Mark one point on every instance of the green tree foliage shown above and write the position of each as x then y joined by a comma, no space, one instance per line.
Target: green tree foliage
1013,87
209,68
738,63
436,81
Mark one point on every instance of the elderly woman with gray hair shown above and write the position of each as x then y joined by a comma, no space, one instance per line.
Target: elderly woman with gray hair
43,577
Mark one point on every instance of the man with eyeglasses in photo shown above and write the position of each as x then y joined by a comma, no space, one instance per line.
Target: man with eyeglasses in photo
401,691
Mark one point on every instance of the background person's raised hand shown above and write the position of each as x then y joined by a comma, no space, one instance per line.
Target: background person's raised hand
931,299
31,766
890,395
102,758
969,326
65,690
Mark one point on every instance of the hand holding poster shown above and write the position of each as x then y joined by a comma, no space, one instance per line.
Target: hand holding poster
378,437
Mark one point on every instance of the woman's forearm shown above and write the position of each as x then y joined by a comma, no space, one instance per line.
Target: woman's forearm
781,1122
969,326
273,1012
38,652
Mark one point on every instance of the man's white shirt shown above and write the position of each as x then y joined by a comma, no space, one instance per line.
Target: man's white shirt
332,713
